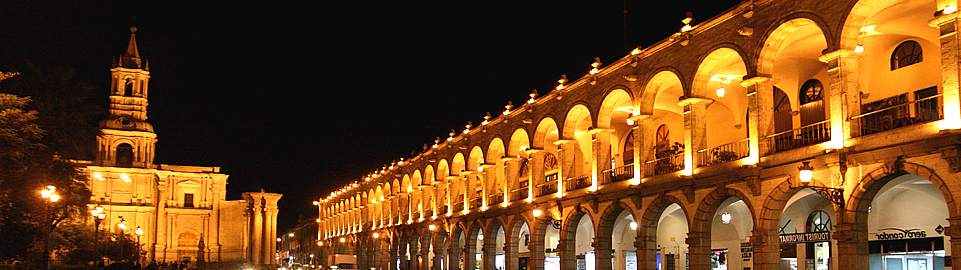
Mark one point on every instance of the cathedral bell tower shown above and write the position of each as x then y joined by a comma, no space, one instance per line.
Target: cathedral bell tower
127,139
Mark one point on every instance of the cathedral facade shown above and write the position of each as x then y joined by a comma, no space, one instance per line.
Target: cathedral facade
181,211
780,134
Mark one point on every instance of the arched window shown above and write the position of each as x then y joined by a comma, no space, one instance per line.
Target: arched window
819,221
906,54
810,91
811,103
124,156
128,87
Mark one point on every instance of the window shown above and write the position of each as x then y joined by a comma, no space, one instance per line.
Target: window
124,156
819,221
810,91
628,149
188,200
128,87
906,54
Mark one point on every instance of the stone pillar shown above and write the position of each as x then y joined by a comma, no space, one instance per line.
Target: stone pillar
437,242
255,211
392,257
565,163
425,252
510,251
262,214
601,161
454,254
643,141
489,249
852,246
767,248
536,165
602,252
760,95
470,249
646,251
950,82
512,176
844,98
695,130
699,250
537,244
566,251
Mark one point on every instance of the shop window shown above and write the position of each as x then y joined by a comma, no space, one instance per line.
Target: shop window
906,54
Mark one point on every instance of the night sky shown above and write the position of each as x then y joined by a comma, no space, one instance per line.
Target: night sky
302,97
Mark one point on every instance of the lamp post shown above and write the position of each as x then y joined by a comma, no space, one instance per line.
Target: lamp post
835,195
139,232
50,193
98,215
123,230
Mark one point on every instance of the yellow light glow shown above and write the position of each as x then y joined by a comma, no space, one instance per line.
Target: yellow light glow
343,240
630,122
687,27
687,171
633,225
376,235
97,175
721,91
537,212
465,211
432,227
750,160
949,123
859,48
635,181
950,9
636,51
54,197
594,71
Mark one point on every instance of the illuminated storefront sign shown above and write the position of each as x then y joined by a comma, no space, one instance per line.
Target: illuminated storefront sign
813,237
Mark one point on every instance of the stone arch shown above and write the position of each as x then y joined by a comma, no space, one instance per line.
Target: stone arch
607,220
568,234
647,228
547,123
868,187
780,30
611,98
520,138
573,114
653,83
708,62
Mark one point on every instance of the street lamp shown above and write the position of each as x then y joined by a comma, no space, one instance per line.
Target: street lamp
123,230
139,232
98,215
49,194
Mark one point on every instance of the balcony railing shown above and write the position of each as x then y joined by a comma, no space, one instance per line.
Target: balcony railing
442,210
579,182
428,213
495,199
669,164
724,153
807,135
546,188
458,207
415,216
519,194
882,117
617,174
476,203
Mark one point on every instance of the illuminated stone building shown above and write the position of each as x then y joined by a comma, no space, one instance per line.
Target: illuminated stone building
181,210
808,134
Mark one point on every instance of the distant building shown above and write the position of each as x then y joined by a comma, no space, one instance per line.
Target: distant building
299,245
180,209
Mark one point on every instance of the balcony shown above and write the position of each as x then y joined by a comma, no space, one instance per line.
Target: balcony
458,207
518,194
415,216
442,210
428,213
579,182
724,153
495,199
896,112
668,164
616,175
476,203
545,189
807,135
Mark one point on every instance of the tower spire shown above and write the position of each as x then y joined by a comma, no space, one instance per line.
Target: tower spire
131,58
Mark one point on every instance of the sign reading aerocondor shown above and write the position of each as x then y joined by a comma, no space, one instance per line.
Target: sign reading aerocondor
812,237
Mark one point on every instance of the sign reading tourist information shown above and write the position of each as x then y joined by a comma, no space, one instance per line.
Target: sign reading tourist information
812,237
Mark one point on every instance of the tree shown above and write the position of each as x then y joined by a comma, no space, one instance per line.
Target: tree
27,165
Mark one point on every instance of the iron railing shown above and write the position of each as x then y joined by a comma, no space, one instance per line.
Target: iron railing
546,188
888,117
616,175
458,207
476,203
579,182
724,153
519,194
495,199
669,164
807,135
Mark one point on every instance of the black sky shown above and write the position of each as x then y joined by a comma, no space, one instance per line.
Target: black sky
301,97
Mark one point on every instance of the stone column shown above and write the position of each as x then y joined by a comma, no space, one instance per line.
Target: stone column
695,130
767,248
642,143
512,176
566,251
490,248
537,244
699,250
425,252
601,161
392,257
510,251
470,249
536,165
255,210
565,163
760,95
844,98
646,251
852,246
950,82
454,254
437,242
602,252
